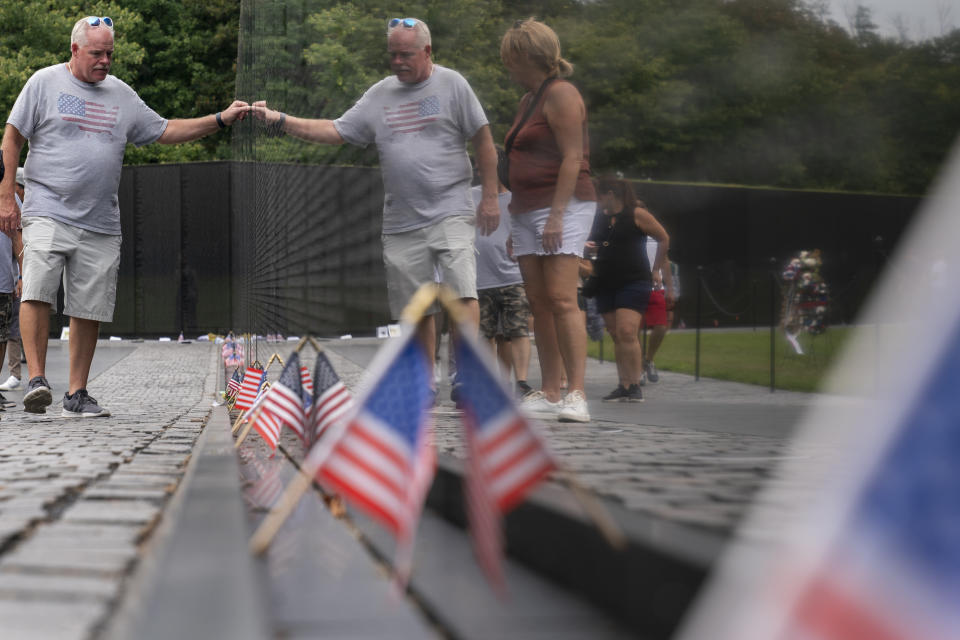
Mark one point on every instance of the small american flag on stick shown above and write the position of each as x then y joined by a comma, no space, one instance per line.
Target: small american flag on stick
382,460
507,458
233,385
249,388
331,401
282,404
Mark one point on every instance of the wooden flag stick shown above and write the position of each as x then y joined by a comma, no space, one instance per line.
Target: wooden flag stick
595,510
453,305
243,434
300,345
246,430
275,356
236,425
303,342
278,515
419,303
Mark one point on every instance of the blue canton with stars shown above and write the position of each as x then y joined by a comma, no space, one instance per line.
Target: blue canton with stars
913,500
71,105
402,395
481,392
429,106
290,376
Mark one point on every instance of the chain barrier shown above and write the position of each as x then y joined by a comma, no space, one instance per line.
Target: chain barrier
717,305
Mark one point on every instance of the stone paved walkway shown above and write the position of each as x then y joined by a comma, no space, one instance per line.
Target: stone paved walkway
79,498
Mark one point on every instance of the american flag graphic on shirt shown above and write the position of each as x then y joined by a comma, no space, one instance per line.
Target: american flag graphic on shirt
411,117
89,116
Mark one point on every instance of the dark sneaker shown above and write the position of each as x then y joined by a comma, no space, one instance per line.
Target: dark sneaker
82,405
634,394
523,388
617,395
650,370
38,397
6,404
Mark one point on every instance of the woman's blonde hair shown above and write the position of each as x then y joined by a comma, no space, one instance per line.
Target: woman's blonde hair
534,42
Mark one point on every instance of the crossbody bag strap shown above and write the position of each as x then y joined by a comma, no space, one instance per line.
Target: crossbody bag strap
533,106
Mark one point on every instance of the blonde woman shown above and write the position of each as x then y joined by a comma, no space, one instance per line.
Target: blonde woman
552,207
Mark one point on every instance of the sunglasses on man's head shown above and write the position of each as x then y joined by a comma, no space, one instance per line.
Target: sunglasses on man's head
409,23
94,21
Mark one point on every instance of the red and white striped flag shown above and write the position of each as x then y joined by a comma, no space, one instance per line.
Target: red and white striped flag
249,388
331,400
306,381
381,459
507,458
282,405
233,385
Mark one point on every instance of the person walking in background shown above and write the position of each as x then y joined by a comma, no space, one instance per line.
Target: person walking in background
658,316
13,348
623,274
504,310
78,119
552,204
420,119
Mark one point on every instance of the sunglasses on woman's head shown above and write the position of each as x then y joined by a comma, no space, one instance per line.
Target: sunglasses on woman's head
409,23
94,21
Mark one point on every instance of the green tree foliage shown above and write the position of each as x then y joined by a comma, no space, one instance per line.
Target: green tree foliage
763,92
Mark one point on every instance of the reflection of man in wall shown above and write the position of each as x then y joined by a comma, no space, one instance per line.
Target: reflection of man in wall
420,119
78,119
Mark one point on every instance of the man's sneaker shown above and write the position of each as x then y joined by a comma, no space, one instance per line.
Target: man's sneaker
574,408
536,404
633,394
12,384
650,370
616,395
523,388
38,397
82,405
6,404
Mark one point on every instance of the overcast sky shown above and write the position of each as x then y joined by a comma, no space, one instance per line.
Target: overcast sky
922,18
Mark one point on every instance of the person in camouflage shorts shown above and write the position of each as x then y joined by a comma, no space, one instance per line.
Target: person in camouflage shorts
504,310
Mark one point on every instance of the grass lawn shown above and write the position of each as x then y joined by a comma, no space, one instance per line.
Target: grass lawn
744,356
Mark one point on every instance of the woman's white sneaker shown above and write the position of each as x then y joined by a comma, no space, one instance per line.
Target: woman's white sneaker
12,384
574,408
536,404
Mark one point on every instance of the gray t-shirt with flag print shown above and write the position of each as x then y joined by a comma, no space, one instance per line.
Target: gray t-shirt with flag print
421,131
77,132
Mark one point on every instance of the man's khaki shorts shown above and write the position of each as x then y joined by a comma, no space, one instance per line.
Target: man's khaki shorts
86,261
443,250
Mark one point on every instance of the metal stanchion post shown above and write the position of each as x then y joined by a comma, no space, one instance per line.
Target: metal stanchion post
773,323
696,366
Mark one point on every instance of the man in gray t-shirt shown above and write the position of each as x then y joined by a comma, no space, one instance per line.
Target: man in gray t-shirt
420,120
78,119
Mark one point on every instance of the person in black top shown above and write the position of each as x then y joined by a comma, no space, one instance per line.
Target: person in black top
622,273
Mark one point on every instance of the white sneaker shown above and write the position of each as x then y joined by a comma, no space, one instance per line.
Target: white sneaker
574,408
536,404
12,384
